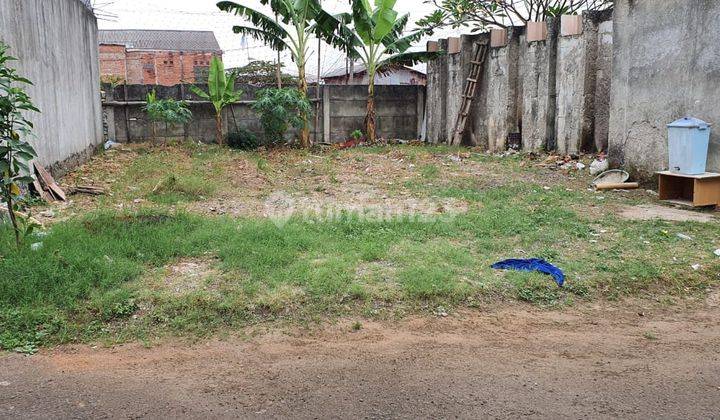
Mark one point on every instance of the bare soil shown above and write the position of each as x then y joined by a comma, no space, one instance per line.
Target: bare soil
592,362
654,211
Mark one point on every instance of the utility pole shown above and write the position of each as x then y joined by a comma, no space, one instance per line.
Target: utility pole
278,72
317,88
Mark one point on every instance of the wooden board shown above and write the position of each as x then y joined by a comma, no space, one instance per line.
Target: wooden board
49,182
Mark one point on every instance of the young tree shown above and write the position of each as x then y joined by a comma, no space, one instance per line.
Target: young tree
221,92
300,19
480,14
375,36
15,128
168,111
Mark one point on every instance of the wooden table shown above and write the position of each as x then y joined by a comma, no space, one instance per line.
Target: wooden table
690,190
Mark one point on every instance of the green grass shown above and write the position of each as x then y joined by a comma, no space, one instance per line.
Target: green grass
94,277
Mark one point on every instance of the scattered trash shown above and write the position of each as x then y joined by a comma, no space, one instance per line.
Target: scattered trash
599,165
36,246
695,267
580,166
440,311
111,145
455,158
684,236
47,213
532,264
717,252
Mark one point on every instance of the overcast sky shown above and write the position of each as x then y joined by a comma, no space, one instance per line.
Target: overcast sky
203,15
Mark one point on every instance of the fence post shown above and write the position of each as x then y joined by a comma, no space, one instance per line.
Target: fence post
420,112
326,114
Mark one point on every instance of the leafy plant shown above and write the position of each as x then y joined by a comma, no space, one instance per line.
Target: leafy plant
243,139
356,135
15,128
479,14
221,92
279,110
168,111
298,21
263,73
375,36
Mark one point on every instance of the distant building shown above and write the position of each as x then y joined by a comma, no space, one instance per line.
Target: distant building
156,57
401,76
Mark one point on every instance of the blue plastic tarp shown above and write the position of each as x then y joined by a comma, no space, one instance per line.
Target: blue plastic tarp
532,264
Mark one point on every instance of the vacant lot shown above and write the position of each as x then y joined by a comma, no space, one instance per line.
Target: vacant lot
193,239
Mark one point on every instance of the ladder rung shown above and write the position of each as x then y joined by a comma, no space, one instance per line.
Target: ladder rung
472,80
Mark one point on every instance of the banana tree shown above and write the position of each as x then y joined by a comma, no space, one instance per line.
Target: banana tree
375,37
299,20
221,92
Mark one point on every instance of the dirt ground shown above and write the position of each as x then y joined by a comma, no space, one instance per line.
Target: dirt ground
587,362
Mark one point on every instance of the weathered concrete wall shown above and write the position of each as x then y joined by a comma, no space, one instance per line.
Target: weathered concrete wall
537,101
56,43
666,65
501,95
399,113
437,94
575,84
552,93
603,72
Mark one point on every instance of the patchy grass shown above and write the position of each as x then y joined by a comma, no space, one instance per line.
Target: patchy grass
96,276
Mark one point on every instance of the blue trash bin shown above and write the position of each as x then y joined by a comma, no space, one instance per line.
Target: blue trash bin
688,140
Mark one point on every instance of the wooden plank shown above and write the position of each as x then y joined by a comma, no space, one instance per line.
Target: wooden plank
50,182
42,193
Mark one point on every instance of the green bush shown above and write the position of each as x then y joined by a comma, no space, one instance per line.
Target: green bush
243,139
279,110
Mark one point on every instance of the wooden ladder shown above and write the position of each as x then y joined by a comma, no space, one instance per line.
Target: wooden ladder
477,65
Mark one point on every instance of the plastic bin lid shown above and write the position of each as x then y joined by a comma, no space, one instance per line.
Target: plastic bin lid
689,122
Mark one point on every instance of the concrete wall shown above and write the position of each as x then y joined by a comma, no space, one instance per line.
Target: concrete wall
437,89
538,61
666,65
553,93
341,109
56,42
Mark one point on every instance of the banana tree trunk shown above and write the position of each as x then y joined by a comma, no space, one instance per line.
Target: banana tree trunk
218,128
303,87
370,125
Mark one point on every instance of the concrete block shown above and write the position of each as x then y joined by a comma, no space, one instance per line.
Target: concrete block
433,46
536,31
498,37
571,25
453,45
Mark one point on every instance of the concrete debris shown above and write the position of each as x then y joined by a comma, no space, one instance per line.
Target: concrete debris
36,246
695,267
684,236
111,145
717,252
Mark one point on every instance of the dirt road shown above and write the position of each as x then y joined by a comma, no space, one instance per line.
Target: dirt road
506,363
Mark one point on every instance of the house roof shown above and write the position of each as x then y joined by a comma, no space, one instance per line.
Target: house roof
160,40
359,68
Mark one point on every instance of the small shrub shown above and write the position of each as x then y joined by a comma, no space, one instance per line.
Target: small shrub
279,110
243,139
167,111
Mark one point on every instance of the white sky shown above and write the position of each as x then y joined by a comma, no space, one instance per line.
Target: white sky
204,15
